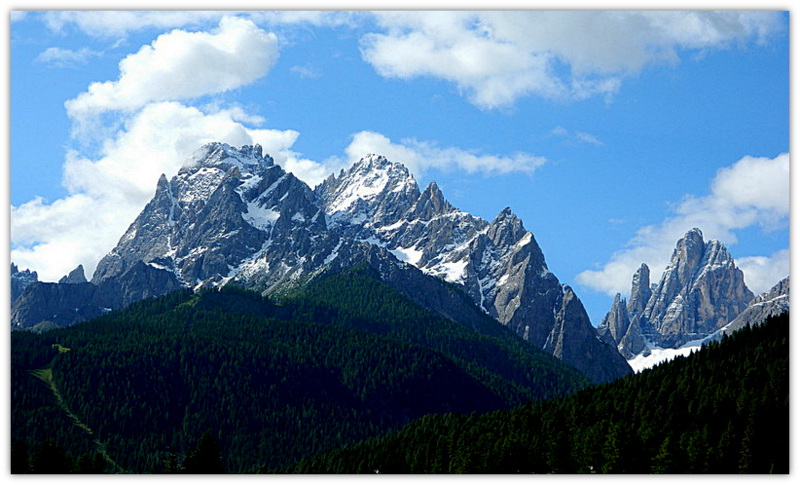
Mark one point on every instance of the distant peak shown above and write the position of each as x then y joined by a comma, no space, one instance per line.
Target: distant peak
376,170
75,276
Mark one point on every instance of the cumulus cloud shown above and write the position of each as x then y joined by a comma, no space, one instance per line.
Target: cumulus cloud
752,192
494,58
183,65
420,156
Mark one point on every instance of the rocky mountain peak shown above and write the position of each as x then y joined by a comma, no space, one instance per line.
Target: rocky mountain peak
616,321
431,203
21,280
506,229
247,158
687,255
700,291
373,187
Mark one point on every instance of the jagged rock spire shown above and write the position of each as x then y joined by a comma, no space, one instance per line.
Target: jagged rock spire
640,290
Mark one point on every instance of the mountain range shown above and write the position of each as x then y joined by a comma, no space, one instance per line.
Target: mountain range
234,216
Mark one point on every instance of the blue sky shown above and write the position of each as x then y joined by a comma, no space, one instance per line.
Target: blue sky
610,134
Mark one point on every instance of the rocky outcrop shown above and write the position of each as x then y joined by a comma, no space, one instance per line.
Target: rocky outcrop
616,322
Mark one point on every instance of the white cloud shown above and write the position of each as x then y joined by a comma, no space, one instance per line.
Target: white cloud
420,156
762,272
579,136
494,58
588,138
119,23
183,65
107,24
58,57
751,192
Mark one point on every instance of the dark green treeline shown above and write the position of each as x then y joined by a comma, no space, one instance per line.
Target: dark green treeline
724,409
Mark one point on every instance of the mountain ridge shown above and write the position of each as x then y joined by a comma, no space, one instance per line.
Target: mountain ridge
232,215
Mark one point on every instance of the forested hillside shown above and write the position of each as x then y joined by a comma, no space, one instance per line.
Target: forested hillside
158,386
724,409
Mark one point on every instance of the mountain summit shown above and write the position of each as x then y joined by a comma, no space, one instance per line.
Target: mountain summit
232,215
700,292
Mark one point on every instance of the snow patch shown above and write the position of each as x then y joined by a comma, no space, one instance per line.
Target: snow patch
659,355
374,241
408,255
453,271
334,254
260,217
